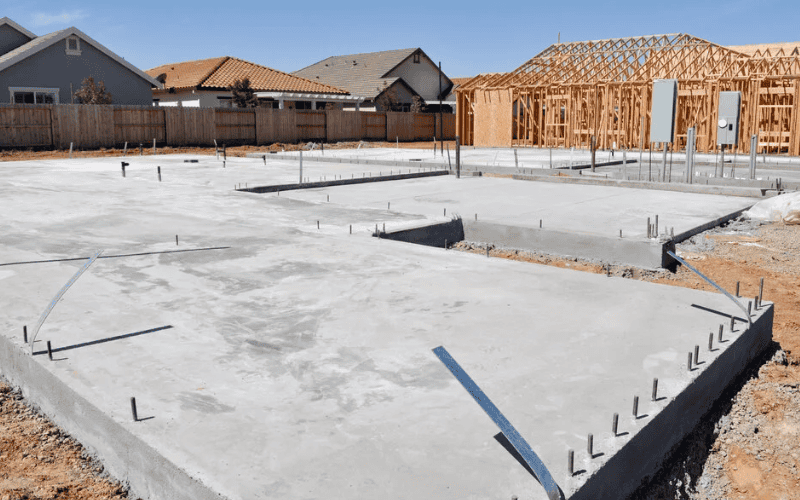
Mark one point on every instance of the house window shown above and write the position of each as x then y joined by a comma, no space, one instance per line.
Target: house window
32,95
416,58
73,46
302,105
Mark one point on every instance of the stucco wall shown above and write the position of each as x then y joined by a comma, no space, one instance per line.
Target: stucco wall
423,77
189,99
10,39
403,95
53,68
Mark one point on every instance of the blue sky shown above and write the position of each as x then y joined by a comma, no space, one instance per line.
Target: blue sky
467,37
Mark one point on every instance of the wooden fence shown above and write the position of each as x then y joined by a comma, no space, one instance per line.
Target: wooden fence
96,126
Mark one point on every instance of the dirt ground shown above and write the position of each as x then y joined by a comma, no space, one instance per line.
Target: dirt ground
748,447
38,461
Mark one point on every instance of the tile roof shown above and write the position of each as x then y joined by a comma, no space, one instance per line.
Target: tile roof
788,48
222,72
361,74
187,74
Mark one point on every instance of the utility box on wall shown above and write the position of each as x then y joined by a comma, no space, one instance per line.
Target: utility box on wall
730,103
662,113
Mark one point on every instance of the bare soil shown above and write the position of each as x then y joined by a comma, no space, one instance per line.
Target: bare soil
38,461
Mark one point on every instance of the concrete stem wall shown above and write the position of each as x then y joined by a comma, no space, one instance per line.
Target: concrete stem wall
641,457
147,473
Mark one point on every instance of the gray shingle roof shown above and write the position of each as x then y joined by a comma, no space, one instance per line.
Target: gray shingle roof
40,43
30,46
361,74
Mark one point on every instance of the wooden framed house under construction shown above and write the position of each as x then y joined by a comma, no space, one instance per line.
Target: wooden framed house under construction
603,88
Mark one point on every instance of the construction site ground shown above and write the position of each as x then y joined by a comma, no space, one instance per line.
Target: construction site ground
747,449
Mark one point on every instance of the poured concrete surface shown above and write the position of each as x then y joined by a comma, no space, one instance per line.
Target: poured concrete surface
600,210
298,363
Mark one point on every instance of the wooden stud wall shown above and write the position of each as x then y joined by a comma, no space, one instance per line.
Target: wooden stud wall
571,92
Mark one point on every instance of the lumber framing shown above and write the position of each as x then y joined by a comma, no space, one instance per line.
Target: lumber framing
603,88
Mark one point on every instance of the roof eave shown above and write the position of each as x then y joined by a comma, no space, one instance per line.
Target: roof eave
75,31
10,22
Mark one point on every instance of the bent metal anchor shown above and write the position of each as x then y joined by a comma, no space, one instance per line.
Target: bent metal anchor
712,283
61,294
516,440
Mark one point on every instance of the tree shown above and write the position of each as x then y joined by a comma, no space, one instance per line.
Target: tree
243,95
417,104
89,93
389,100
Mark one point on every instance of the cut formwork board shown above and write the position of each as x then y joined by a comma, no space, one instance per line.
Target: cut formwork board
297,362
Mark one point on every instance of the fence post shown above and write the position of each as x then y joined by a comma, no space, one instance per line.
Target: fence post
255,126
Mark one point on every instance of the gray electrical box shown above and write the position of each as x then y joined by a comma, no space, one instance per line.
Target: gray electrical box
662,114
728,118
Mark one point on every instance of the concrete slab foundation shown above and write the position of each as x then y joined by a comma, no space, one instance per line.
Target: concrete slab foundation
297,362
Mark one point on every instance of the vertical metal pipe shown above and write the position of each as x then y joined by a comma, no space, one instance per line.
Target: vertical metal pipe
615,424
737,288
134,414
655,389
571,463
711,341
590,446
689,362
696,355
49,351
635,406
719,337
25,333
458,157
760,291
441,117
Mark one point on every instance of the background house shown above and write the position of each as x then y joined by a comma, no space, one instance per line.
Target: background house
205,83
405,73
48,69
